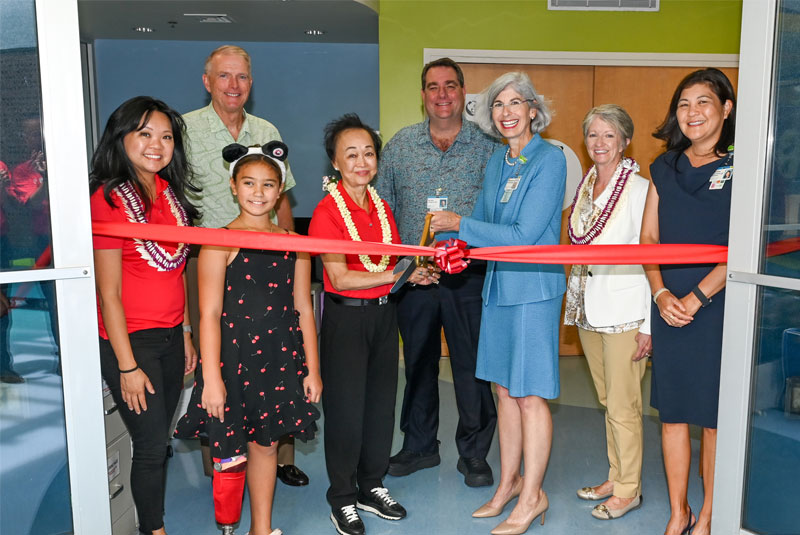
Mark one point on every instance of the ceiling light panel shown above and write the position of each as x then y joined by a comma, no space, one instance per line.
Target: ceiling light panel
214,18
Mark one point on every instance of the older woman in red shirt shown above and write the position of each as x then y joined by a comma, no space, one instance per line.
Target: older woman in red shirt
360,347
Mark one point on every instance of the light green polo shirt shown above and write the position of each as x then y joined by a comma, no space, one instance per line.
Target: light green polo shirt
206,136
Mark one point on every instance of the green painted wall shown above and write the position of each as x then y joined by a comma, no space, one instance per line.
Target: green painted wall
408,26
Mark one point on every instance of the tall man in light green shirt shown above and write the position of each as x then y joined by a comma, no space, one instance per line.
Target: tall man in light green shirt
228,79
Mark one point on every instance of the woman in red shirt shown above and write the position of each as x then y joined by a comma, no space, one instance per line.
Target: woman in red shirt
360,347
139,173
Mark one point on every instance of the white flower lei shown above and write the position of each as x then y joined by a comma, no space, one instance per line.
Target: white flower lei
386,230
149,250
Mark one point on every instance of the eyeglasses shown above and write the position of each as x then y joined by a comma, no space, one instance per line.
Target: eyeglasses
512,106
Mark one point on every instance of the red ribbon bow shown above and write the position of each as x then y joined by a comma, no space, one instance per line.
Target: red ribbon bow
450,256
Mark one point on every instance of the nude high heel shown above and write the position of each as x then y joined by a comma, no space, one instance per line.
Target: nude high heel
487,511
506,528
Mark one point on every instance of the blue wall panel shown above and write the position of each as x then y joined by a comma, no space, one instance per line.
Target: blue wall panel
299,87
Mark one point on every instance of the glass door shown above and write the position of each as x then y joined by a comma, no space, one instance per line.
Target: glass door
52,464
758,455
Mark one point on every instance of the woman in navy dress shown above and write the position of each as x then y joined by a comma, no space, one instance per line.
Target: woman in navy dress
689,202
520,204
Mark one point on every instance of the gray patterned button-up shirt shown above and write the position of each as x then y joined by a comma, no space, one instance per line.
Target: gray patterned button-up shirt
412,169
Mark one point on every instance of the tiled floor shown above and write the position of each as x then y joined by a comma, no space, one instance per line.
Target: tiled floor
437,500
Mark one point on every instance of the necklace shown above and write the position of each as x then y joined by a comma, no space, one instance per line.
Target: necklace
624,170
386,230
519,159
508,162
149,250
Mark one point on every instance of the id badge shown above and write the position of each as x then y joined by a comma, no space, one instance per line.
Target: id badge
437,204
511,185
720,176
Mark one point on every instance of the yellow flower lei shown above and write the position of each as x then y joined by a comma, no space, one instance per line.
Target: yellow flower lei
386,230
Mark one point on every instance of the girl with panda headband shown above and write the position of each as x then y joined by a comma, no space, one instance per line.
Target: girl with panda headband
258,341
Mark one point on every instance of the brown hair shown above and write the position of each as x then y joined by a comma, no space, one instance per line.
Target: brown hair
443,62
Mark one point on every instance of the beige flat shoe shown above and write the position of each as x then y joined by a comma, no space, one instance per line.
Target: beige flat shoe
604,513
487,511
588,493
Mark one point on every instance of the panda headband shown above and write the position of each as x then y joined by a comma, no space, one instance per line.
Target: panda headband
274,150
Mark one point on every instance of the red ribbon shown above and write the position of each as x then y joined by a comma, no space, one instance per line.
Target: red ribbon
605,254
452,260
449,255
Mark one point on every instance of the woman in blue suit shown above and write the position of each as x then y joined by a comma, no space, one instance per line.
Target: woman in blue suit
520,204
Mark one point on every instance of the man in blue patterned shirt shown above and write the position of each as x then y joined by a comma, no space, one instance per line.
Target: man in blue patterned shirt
439,164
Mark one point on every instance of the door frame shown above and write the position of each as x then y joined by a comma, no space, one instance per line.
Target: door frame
546,57
753,148
73,269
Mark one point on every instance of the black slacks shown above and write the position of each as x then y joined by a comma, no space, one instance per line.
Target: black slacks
159,354
358,360
455,304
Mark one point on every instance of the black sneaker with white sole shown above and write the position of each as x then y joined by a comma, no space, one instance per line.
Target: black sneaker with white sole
346,520
379,501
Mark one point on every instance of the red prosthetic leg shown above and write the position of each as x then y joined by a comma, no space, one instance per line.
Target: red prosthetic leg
228,485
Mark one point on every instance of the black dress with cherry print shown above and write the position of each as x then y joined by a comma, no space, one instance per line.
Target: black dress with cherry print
262,360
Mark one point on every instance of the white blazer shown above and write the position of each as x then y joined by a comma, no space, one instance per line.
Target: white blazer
620,294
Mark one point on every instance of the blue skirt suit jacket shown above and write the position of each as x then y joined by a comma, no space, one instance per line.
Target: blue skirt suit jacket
518,345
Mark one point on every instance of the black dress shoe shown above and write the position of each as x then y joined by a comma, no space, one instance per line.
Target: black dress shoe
407,462
379,501
477,472
291,475
11,377
346,520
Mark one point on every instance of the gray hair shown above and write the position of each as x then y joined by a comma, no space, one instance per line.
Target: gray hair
519,82
614,115
228,49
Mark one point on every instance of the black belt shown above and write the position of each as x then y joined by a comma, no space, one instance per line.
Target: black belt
355,302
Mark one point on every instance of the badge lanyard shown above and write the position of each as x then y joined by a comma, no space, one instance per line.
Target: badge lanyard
513,183
437,201
723,173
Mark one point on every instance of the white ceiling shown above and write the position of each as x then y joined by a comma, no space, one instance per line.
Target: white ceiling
344,21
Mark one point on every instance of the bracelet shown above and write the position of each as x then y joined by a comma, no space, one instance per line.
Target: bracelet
704,299
131,370
187,329
659,292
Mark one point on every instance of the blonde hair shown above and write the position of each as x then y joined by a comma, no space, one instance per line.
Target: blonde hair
228,49
614,115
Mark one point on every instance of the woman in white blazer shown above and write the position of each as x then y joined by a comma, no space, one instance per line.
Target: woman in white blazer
610,305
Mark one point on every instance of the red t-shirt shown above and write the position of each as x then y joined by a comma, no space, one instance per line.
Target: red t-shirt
327,222
150,298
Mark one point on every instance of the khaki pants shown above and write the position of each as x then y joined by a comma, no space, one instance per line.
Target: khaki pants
618,381
286,444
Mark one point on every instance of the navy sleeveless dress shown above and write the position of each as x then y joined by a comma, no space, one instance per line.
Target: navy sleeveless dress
262,357
686,360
